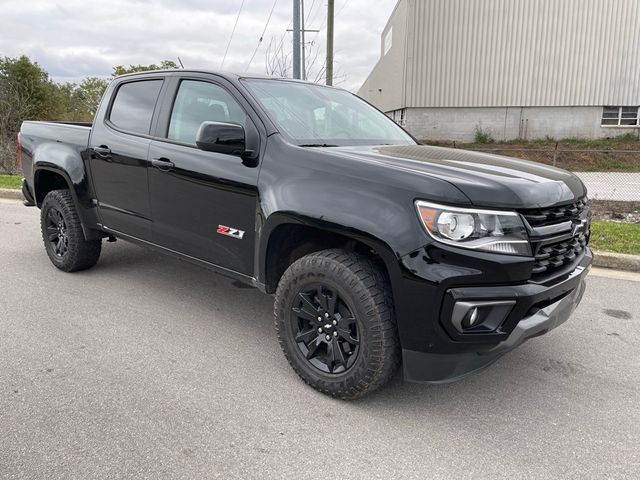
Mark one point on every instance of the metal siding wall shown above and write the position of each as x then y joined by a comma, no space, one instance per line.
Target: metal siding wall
472,53
389,73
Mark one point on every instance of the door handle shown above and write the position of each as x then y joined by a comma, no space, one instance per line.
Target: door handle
162,163
103,153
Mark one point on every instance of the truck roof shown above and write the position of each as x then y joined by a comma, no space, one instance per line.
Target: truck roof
225,74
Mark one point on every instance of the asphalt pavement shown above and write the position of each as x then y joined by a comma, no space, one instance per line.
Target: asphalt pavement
148,367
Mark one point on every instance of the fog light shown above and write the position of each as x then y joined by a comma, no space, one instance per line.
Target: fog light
470,318
480,316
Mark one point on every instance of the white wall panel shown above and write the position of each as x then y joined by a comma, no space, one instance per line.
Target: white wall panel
479,53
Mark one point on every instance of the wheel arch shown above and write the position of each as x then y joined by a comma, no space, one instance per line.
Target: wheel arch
286,237
46,179
51,177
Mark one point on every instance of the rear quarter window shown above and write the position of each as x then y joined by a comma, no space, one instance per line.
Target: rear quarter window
133,106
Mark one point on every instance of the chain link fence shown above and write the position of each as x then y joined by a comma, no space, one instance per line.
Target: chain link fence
612,175
8,160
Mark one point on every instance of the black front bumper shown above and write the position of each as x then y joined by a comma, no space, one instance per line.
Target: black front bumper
444,354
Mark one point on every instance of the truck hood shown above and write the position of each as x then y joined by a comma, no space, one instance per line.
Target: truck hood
486,179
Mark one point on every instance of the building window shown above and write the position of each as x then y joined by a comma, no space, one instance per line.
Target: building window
388,41
620,116
398,116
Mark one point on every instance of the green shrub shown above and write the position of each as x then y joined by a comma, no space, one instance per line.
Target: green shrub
482,136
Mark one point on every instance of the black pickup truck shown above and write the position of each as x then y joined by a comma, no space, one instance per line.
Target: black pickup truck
379,250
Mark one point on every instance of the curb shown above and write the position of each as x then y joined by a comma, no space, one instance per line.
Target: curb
13,194
617,261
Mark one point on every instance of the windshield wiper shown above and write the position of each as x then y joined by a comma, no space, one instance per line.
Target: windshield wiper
317,145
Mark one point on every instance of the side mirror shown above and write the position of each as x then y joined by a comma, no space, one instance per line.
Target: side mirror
219,137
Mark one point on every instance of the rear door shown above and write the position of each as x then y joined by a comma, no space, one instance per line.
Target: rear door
203,204
119,147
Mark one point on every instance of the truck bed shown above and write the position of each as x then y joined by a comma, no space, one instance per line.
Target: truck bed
36,135
76,133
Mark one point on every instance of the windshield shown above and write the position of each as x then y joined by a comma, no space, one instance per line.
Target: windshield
314,115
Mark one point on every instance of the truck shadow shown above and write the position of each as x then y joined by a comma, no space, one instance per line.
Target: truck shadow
530,372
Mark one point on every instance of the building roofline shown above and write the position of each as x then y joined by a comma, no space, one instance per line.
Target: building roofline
391,16
386,25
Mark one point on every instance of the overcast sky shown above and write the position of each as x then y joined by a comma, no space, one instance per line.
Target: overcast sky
72,39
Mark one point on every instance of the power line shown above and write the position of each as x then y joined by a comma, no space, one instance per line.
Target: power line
232,33
324,22
306,20
284,34
261,36
342,7
279,49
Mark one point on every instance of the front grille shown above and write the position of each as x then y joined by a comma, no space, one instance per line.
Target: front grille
555,246
549,216
556,255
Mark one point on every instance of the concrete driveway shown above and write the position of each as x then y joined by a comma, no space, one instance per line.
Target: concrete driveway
147,367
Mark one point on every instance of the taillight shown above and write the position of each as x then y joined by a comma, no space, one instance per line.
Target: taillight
19,152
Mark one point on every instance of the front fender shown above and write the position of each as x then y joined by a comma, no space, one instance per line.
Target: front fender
279,219
352,192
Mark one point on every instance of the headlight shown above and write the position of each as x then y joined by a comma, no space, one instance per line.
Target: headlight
487,230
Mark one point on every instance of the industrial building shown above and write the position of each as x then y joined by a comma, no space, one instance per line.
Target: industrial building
510,68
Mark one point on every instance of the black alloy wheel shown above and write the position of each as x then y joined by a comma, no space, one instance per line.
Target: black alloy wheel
335,322
56,231
326,330
63,235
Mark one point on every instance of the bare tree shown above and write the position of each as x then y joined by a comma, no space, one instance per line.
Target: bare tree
15,105
277,61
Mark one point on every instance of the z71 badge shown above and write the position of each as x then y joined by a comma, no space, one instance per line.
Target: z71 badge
230,232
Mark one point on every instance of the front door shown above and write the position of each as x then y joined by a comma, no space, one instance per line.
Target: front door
203,203
118,158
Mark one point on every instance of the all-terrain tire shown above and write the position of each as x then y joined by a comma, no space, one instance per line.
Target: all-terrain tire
63,236
364,290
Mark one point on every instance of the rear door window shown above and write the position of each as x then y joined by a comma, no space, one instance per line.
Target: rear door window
133,106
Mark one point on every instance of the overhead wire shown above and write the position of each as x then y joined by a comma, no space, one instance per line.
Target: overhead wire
324,21
232,33
262,35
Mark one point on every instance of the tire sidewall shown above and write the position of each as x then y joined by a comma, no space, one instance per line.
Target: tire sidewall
81,253
287,325
52,201
354,293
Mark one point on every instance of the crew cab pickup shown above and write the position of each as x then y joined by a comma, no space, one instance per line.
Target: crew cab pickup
380,251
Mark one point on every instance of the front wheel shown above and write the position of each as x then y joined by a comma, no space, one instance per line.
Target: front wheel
335,323
63,236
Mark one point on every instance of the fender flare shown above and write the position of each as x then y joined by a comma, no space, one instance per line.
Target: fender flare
57,170
86,213
278,219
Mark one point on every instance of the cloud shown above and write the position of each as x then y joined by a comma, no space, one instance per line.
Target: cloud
78,38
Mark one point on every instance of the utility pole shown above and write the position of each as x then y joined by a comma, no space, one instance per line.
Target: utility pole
330,8
302,44
296,39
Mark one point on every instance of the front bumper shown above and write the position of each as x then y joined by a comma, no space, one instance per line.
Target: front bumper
539,308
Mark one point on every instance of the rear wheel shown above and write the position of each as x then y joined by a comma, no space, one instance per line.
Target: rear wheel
335,323
63,236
